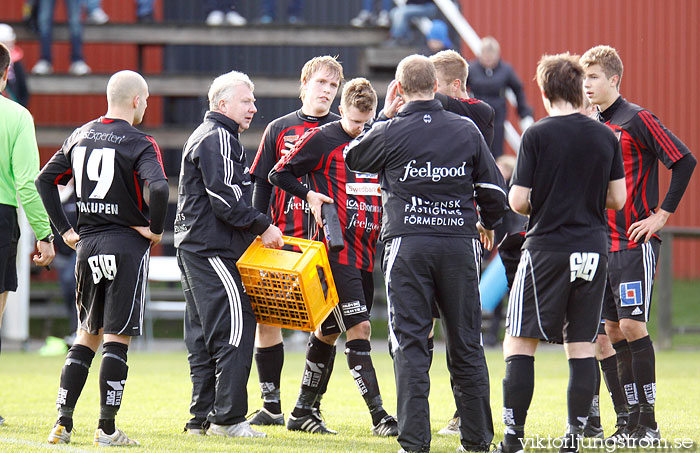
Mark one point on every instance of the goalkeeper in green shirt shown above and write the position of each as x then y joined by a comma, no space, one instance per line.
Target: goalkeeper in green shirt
19,165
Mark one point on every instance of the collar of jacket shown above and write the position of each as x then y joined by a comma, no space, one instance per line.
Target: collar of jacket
420,106
227,122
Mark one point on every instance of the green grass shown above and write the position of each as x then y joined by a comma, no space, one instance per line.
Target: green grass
156,399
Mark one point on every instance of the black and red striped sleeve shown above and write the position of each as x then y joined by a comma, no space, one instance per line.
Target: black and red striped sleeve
668,148
264,160
673,153
300,161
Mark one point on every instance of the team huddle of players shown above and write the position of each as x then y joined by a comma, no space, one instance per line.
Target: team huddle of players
419,177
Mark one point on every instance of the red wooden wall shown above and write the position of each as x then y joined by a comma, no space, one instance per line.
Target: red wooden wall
659,43
74,110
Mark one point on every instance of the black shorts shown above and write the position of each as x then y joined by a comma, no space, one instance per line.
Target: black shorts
510,250
601,326
557,296
355,291
111,276
9,236
630,282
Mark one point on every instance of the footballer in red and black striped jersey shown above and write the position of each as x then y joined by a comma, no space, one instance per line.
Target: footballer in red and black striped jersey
478,111
452,72
357,196
645,141
320,155
288,212
633,242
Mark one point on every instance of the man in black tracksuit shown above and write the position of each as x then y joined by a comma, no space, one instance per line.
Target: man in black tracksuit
214,225
433,166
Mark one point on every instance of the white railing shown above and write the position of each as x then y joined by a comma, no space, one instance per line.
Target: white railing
467,33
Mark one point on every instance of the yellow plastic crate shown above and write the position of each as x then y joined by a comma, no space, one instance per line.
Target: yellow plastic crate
290,287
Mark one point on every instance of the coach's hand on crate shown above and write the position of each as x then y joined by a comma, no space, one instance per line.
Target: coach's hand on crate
272,237
148,234
315,201
71,238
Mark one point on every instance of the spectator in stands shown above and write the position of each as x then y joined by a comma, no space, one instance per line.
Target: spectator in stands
295,12
94,14
489,77
403,15
16,88
46,13
223,12
438,38
30,15
366,17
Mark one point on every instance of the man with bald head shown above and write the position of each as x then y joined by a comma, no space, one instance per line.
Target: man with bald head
110,161
441,192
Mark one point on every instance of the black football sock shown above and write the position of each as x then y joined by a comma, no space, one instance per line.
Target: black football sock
594,412
609,367
626,376
73,377
113,373
643,364
581,389
326,377
518,386
318,354
269,362
362,371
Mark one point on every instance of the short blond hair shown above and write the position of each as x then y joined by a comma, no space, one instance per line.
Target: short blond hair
451,66
416,74
608,59
315,64
223,85
359,93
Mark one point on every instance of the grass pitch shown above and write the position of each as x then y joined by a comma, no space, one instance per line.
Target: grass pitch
156,399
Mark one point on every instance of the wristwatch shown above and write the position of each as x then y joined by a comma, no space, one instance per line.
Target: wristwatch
48,238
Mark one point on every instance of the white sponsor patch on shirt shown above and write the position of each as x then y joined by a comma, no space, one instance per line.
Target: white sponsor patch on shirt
366,175
363,188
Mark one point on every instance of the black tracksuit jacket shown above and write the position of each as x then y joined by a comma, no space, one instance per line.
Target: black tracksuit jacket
215,216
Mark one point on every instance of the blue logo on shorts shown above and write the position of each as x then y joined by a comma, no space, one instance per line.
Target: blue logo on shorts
631,294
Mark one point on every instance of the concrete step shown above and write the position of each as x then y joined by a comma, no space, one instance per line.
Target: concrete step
250,35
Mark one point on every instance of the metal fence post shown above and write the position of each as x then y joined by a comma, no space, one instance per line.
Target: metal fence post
664,284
